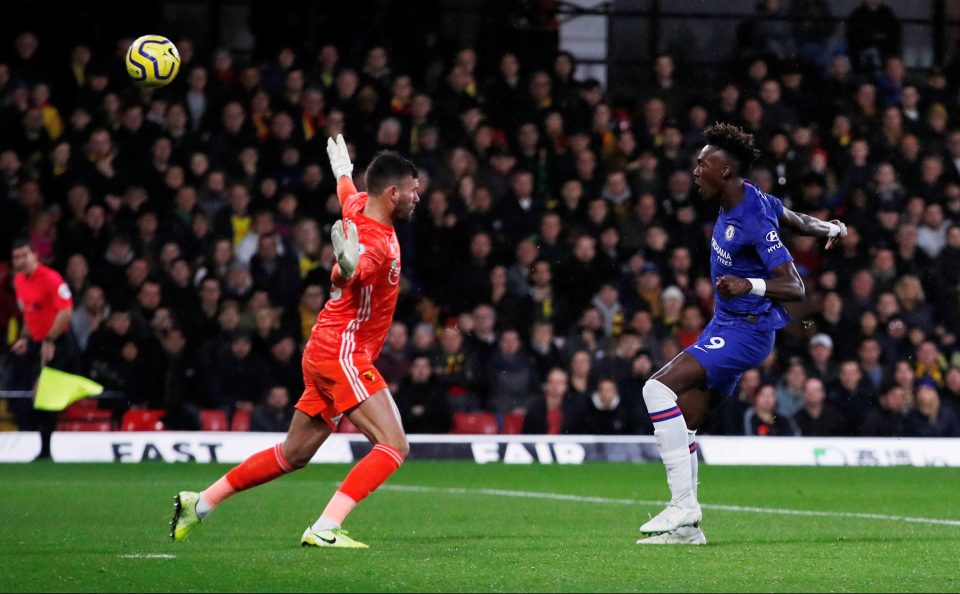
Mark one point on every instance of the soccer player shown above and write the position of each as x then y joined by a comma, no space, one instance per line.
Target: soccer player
47,307
338,373
754,273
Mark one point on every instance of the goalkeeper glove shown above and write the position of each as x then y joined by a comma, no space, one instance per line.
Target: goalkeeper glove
339,157
346,247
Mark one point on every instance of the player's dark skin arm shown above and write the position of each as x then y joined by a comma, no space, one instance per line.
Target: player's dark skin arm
805,224
785,285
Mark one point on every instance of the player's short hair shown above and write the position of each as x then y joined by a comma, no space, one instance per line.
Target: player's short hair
388,169
733,141
20,242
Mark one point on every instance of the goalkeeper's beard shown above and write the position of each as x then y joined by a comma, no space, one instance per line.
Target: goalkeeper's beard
402,212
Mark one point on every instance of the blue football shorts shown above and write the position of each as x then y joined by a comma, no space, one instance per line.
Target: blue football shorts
727,351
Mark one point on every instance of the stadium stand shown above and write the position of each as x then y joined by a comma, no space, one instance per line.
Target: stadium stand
558,227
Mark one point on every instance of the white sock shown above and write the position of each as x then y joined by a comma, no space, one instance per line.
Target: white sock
324,523
694,461
670,429
203,508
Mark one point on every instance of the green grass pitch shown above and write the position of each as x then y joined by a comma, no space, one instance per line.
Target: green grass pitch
104,528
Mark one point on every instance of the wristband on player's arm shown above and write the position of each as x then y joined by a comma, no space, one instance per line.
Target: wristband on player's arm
759,286
834,230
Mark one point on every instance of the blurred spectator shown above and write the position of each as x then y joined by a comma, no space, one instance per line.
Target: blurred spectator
690,326
283,364
422,403
239,378
581,274
550,414
455,372
951,388
394,360
761,420
728,417
873,33
931,417
607,302
88,317
618,363
930,363
582,381
772,34
932,235
891,418
513,378
543,348
817,418
790,389
822,365
274,414
870,360
605,413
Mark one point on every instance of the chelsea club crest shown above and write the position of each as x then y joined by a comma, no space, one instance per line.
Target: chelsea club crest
728,234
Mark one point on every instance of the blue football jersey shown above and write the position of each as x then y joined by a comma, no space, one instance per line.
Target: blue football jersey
746,243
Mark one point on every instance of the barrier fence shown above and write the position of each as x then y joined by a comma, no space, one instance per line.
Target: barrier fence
232,447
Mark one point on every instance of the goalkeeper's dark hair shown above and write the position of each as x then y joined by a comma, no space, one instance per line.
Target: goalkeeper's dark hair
388,169
20,242
735,142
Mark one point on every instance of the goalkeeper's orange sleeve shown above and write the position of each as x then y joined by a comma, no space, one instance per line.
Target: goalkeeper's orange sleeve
345,188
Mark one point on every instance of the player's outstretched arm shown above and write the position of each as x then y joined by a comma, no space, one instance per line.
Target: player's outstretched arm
785,285
805,224
342,167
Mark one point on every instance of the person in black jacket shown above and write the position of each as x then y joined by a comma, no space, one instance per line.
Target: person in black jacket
873,33
761,420
891,419
274,413
423,405
549,413
605,413
817,418
239,376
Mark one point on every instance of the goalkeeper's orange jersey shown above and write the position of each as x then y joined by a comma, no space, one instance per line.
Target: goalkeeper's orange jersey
355,320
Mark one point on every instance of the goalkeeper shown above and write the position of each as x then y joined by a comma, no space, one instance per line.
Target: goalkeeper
338,373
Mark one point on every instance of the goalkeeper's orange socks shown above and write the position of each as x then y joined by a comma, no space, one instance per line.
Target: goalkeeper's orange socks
259,468
371,472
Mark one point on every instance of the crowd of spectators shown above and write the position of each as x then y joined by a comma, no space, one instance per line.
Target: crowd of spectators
557,258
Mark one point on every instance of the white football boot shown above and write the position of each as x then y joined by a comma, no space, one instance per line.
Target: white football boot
688,535
673,517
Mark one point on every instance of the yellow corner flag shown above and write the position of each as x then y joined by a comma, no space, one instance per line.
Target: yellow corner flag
57,390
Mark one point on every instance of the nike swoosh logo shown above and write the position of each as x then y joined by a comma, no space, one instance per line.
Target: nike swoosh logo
328,540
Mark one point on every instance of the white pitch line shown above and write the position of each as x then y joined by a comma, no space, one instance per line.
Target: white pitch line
148,556
713,506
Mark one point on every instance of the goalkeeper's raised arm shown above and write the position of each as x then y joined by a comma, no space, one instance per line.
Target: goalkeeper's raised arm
342,167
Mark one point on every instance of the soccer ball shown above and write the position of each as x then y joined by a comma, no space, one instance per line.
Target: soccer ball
153,61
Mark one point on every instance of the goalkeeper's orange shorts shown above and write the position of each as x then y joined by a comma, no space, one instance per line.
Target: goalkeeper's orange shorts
331,388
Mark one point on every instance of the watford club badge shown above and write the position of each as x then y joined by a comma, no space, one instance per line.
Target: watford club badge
369,375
